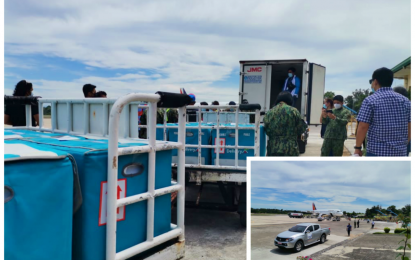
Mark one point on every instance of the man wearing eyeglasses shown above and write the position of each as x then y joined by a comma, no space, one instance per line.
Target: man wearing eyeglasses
385,116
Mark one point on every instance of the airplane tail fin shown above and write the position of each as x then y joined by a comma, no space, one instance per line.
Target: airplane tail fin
314,206
182,91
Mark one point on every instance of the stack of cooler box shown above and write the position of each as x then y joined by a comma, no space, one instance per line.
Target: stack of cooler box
193,139
246,137
89,232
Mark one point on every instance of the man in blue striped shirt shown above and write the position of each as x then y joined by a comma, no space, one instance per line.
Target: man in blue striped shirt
385,116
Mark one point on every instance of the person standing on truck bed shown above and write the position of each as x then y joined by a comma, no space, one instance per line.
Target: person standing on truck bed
283,124
385,116
292,84
15,115
336,131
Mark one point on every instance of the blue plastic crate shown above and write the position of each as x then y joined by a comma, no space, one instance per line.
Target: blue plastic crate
39,209
89,222
192,138
246,138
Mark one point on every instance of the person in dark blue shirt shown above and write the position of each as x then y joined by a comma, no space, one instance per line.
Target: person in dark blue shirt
349,228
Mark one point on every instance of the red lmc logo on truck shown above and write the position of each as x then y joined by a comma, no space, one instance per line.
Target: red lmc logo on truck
257,69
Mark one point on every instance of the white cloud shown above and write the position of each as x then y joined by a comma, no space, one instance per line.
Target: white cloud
183,39
336,183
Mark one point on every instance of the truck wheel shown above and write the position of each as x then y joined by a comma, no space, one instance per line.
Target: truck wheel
242,217
322,239
298,246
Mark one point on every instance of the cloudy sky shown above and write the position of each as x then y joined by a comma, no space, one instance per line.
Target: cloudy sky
145,46
348,186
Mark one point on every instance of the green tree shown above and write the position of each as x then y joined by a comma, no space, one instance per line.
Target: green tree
329,94
405,220
406,211
47,110
355,100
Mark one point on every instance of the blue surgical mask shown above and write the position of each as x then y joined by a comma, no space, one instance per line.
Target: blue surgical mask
290,75
203,109
373,90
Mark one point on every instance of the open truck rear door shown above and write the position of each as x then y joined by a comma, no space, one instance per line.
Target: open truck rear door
315,93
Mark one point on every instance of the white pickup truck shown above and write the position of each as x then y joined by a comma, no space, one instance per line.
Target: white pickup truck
301,235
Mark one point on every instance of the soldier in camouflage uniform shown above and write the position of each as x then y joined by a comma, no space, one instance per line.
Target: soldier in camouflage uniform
336,131
283,124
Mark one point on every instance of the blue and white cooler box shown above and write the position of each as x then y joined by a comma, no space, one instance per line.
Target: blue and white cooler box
90,221
38,208
192,138
246,138
10,134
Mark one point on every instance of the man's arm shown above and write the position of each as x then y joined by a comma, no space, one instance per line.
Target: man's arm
342,119
409,132
7,120
361,135
36,119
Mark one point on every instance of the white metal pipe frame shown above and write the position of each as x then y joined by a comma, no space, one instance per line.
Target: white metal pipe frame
113,152
143,149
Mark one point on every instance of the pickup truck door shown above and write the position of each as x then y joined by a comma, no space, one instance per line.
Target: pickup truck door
317,233
309,235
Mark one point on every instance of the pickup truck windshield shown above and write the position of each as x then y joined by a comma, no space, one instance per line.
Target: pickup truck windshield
298,229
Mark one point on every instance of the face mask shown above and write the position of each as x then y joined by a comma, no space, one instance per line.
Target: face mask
337,106
290,75
373,90
324,106
203,109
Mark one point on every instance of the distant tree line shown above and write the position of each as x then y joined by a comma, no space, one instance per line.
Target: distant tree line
370,213
47,111
273,211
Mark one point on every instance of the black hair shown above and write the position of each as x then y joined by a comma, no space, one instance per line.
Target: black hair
101,94
204,103
232,103
338,98
329,100
384,76
292,69
88,88
285,97
22,87
401,90
245,101
215,103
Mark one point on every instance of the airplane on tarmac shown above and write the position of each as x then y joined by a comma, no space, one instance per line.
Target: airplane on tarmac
334,213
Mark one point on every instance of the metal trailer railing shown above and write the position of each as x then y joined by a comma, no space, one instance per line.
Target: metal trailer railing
217,126
113,118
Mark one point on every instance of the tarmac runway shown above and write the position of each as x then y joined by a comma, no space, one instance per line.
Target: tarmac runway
265,228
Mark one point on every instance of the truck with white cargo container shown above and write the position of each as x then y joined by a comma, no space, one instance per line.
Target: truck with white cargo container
268,82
